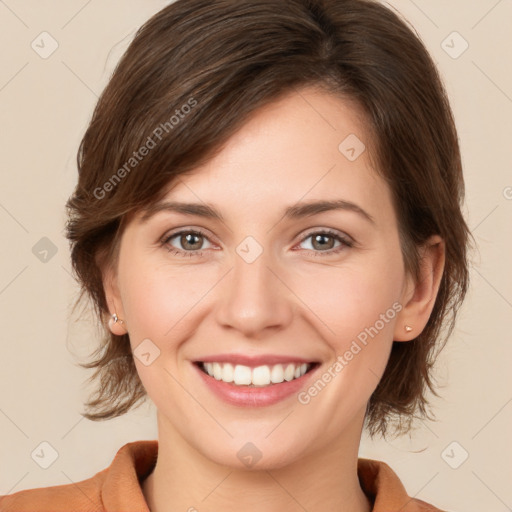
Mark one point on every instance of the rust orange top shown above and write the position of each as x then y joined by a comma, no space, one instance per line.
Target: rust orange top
118,487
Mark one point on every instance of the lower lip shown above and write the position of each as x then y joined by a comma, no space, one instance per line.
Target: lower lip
245,396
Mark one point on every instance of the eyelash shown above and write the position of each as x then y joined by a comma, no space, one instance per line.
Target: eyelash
345,242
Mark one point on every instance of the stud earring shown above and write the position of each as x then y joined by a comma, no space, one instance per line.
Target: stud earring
114,319
408,328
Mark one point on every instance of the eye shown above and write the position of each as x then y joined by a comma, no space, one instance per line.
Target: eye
320,242
191,242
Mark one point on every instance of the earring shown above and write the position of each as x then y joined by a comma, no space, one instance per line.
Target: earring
114,319
408,328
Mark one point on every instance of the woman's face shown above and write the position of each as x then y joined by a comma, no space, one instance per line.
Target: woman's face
268,280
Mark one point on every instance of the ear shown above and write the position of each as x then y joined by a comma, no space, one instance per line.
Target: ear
115,305
418,297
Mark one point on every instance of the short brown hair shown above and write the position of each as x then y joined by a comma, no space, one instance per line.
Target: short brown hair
225,59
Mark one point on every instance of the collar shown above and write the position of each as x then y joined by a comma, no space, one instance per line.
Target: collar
121,489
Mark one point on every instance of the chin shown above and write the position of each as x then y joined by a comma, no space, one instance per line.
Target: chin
251,455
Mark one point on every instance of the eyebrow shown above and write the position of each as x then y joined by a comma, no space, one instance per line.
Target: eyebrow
297,211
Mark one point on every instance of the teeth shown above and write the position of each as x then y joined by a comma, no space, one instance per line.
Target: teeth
260,376
277,374
242,375
228,373
288,373
217,371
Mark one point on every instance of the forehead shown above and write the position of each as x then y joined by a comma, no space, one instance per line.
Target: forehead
309,144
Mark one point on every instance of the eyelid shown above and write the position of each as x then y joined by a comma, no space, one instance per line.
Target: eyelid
187,229
329,231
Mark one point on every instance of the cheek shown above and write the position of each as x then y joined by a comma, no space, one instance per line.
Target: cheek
348,300
157,298
355,311
161,302
355,308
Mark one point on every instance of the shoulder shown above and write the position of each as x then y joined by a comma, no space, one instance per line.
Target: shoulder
84,495
112,489
385,490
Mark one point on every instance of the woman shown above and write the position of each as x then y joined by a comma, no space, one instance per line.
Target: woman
268,222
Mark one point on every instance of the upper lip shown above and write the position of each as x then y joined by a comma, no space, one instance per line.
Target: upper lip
253,361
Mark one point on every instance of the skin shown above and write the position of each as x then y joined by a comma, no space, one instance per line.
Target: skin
293,299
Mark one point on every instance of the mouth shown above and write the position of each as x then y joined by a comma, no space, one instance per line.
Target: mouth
243,376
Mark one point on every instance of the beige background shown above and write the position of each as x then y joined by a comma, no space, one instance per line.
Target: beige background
45,106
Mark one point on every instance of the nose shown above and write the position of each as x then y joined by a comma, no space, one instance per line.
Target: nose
254,297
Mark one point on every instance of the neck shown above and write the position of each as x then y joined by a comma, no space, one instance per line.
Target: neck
184,479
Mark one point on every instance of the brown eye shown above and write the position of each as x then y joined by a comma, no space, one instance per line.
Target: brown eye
324,242
189,242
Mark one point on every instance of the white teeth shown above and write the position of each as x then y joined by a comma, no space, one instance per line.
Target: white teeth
260,376
242,375
277,374
289,372
228,372
217,371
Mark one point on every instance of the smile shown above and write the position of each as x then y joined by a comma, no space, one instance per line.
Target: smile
264,375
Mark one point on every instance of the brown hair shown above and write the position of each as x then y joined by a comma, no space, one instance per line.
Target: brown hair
191,77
